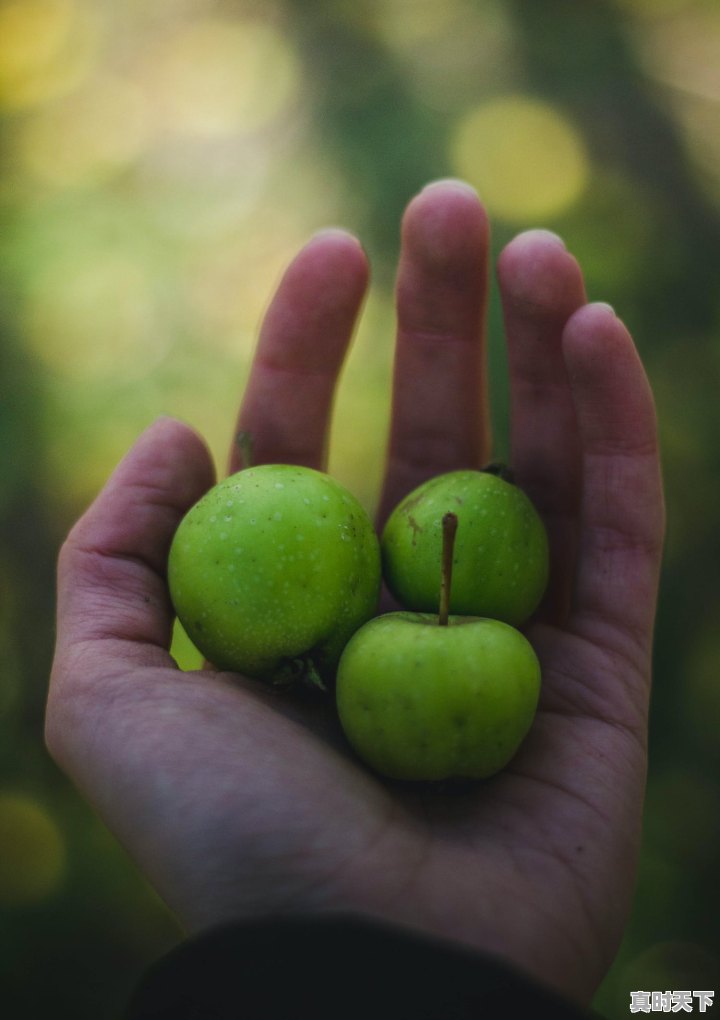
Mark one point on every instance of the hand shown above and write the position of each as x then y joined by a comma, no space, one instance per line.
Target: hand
239,802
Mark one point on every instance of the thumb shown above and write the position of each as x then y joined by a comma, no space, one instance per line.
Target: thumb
113,602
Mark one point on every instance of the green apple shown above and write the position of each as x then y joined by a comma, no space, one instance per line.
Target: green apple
418,700
272,571
501,554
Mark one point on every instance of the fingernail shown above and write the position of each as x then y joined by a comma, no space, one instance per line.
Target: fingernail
335,232
605,305
452,182
547,235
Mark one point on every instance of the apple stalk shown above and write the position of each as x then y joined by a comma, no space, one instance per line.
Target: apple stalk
449,530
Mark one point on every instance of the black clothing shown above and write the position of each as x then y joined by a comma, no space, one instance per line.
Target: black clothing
336,968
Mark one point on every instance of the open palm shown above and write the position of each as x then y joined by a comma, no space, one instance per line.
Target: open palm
239,801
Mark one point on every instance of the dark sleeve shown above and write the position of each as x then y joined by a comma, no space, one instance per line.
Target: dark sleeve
339,968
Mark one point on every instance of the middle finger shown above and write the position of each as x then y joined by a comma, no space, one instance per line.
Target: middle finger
439,412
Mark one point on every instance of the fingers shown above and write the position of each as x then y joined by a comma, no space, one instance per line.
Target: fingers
439,411
541,286
112,596
622,512
303,341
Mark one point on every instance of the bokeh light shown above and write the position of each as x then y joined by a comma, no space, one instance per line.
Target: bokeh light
47,47
95,317
87,137
356,455
445,47
406,22
32,851
220,76
162,163
525,158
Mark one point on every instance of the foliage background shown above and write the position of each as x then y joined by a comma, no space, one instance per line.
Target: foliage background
161,162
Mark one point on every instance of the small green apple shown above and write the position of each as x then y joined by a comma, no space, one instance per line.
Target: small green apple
272,571
418,700
425,696
501,554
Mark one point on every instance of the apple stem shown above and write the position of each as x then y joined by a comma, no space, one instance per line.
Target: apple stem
449,529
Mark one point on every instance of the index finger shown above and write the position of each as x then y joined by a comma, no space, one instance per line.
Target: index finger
303,342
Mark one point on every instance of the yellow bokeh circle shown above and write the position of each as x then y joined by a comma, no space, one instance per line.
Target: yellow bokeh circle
525,158
85,138
32,851
47,48
218,77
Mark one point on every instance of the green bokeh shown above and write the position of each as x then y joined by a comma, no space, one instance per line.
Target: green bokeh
138,255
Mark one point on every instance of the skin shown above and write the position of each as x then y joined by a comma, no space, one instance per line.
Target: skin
422,701
270,813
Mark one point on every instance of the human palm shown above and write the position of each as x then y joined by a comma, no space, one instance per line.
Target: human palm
239,801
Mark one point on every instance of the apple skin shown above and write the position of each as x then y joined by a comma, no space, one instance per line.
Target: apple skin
273,570
500,562
420,701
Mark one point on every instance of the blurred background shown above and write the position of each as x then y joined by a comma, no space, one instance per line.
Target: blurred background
161,163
